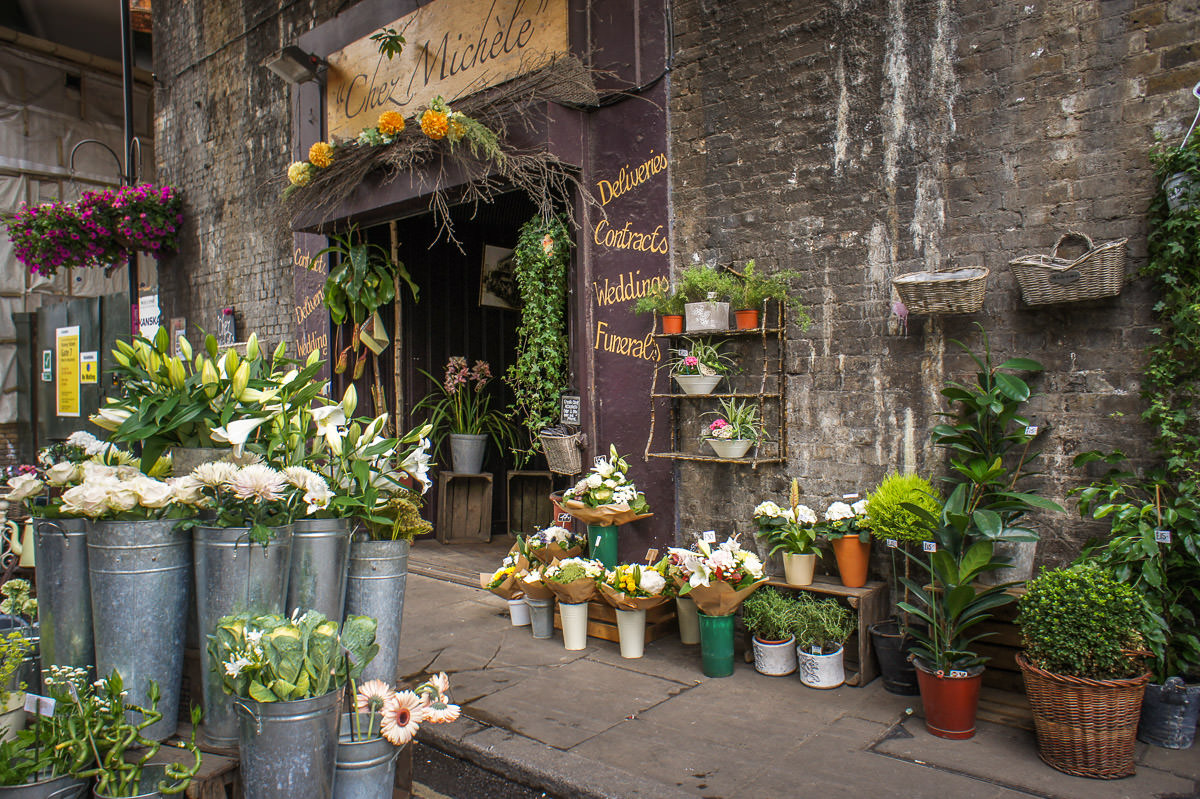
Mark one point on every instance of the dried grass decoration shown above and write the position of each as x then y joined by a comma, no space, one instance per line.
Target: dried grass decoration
488,165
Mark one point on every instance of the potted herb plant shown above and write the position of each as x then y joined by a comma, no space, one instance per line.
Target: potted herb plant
792,532
892,523
699,365
667,303
461,408
707,291
770,617
845,526
821,627
736,429
752,289
1082,667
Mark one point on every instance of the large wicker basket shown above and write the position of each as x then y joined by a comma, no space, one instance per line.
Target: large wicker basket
1087,728
1046,279
953,291
563,452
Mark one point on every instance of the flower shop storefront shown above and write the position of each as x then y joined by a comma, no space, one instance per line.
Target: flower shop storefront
509,142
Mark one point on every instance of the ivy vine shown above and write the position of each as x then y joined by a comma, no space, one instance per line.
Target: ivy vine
539,374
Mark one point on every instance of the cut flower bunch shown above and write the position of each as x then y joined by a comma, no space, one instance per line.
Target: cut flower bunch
719,578
608,483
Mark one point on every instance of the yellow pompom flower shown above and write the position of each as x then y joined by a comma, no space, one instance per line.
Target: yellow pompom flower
455,129
434,124
391,123
321,154
300,173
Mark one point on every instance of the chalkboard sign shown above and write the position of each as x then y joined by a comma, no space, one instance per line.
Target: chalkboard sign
569,409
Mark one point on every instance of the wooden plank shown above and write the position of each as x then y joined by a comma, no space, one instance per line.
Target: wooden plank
1002,633
464,507
832,586
604,625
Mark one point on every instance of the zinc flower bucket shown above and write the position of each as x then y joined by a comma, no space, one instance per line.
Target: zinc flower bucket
716,644
289,749
574,624
375,588
602,544
365,769
541,615
64,592
320,558
66,787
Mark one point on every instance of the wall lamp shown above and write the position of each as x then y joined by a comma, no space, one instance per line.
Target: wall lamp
294,65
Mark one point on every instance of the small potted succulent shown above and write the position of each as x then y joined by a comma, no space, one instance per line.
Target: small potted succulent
667,303
738,427
699,365
792,532
821,627
770,617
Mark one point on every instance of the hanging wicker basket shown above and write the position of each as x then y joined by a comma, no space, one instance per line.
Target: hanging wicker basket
1047,279
953,291
1087,728
563,452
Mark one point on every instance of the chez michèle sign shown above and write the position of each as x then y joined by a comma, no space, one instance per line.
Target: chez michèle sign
454,48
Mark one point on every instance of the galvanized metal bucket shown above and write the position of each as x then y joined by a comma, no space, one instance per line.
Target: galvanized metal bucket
378,572
139,575
365,769
320,558
289,749
64,592
233,575
66,787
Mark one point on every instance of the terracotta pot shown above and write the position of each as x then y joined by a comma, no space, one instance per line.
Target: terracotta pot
672,324
950,702
853,557
747,319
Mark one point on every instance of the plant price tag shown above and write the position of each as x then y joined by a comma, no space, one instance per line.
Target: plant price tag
709,536
957,673
816,650
892,543
929,546
31,703
564,517
1162,536
46,705
1031,430
850,496
651,555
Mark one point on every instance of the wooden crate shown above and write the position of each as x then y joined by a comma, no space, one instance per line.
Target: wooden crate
529,508
602,621
464,512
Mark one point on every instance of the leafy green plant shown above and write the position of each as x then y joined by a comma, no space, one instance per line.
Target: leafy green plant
769,615
662,300
697,281
389,42
18,600
887,514
753,288
539,374
460,405
269,658
794,531
821,623
14,649
1082,621
700,357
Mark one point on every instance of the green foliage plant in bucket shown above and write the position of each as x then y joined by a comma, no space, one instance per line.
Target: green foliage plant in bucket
752,289
287,677
821,628
794,533
707,291
1083,669
769,617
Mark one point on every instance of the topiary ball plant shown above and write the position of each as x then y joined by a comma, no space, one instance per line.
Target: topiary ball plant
887,516
1082,621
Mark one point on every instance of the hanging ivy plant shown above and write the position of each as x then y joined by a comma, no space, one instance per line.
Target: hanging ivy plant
539,374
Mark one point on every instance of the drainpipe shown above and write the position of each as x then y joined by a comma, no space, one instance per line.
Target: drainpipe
130,176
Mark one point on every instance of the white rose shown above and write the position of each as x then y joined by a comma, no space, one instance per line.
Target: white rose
186,490
95,472
652,582
121,497
89,499
152,493
60,474
22,487
838,511
82,439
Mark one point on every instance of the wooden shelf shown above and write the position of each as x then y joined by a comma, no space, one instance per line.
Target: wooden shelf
757,331
680,456
744,394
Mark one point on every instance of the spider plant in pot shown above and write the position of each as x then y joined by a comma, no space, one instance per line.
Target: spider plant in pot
821,627
949,670
793,532
769,616
667,303
698,365
738,427
899,530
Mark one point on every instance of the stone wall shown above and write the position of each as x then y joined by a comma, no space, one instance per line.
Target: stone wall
223,133
859,140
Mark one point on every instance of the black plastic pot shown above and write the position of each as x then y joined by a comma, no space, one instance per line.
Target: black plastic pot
1169,714
891,650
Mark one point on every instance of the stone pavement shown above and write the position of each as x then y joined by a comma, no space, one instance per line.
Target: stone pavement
591,724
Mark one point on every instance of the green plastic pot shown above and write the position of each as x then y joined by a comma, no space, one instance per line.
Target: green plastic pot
716,645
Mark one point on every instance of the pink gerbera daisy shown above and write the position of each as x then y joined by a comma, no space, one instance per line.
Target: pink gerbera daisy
402,717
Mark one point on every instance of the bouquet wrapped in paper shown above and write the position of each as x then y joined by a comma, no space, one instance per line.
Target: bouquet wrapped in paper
573,580
533,584
503,581
718,578
606,496
554,543
631,586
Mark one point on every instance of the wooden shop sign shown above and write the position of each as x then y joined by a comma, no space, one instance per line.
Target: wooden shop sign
454,48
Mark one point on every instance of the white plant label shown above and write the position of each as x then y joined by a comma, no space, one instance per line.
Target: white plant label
850,496
929,546
709,536
651,555
31,703
1031,430
1162,536
892,543
957,673
46,706
816,650
564,517
683,352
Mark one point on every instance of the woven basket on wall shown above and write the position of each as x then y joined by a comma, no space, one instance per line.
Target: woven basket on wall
953,291
1046,279
563,453
1087,728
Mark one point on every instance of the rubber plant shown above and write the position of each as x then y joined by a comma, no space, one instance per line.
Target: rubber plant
539,375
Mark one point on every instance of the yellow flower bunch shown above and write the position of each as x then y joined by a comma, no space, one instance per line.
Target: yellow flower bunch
435,122
455,129
300,173
391,123
321,154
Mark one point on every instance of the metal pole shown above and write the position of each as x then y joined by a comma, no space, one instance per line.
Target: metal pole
129,177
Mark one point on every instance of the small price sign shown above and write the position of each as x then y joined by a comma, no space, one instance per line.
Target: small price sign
1031,430
816,650
709,536
651,555
569,409
957,673
850,496
892,543
1162,536
564,517
929,546
40,705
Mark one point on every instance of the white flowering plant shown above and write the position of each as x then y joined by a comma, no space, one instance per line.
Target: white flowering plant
843,519
793,530
255,496
121,493
607,484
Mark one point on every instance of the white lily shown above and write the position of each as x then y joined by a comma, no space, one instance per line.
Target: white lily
329,419
417,465
236,433
110,418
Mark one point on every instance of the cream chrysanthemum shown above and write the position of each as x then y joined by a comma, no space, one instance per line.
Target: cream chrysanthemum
258,482
299,477
300,173
214,475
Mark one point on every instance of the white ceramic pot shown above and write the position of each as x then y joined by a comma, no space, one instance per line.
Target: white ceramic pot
706,317
821,671
697,384
734,448
518,612
775,658
689,620
798,569
574,624
631,629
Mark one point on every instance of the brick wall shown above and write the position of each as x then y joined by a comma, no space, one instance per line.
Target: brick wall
861,140
223,135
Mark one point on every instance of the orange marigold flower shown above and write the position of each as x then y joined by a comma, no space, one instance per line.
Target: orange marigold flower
434,124
391,123
321,154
